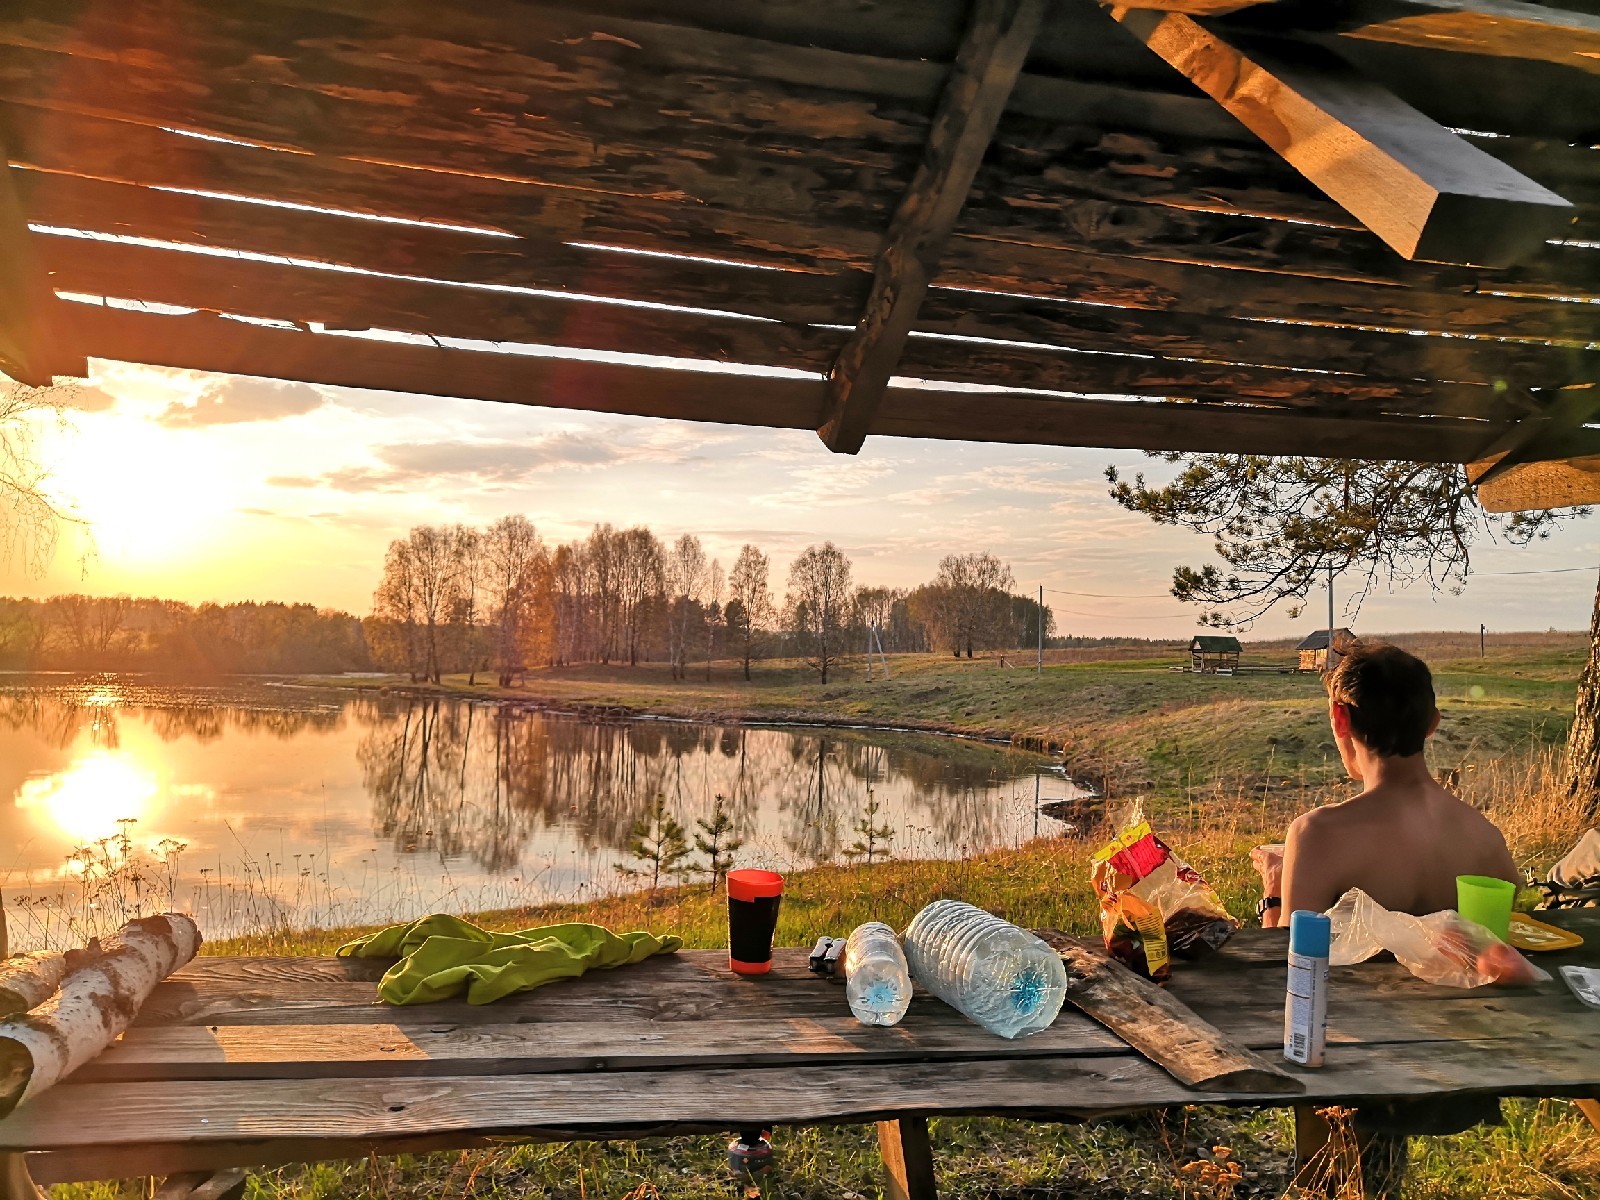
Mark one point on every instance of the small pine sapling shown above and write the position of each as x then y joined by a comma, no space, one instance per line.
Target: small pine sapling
715,840
872,840
657,843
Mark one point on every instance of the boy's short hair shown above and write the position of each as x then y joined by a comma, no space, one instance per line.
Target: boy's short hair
1389,694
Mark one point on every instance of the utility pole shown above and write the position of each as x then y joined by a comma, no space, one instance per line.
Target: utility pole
1481,630
1041,631
1328,660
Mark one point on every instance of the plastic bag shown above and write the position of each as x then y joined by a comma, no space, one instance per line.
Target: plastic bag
1138,878
1442,947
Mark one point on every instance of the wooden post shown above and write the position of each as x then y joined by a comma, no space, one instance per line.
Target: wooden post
908,1158
32,326
15,1182
990,59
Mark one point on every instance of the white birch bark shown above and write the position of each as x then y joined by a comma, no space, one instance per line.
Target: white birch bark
28,980
99,998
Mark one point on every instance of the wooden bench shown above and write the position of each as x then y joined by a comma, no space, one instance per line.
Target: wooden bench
248,1062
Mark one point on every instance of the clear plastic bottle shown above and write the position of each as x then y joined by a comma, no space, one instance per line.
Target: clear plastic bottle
996,974
877,982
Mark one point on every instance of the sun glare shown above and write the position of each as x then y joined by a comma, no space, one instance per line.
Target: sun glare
149,495
89,798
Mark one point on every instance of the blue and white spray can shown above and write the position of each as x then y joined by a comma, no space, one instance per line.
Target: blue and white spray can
1305,1008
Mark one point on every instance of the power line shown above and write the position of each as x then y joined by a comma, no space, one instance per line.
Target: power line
1114,595
1544,571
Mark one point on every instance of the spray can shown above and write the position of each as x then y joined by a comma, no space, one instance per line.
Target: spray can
1305,1008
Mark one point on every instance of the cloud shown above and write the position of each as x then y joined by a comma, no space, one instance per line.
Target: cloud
235,401
492,463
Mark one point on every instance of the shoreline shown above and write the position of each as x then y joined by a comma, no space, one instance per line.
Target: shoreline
535,702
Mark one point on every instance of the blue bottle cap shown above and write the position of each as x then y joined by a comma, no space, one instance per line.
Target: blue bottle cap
1310,934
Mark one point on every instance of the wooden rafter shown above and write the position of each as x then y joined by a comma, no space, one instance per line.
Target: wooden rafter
1499,28
992,56
1424,190
31,349
1541,462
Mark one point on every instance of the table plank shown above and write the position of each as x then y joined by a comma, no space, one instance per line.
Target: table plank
933,1032
322,1117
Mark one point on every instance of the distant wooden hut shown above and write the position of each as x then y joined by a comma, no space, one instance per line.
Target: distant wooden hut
1210,653
1314,650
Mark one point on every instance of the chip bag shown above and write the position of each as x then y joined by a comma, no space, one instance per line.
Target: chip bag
1153,905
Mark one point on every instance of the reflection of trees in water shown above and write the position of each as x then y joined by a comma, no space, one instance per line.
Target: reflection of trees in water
59,717
452,779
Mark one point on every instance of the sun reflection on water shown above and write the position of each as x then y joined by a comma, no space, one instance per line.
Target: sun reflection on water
89,798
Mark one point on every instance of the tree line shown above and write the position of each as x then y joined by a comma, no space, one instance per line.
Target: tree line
124,633
500,601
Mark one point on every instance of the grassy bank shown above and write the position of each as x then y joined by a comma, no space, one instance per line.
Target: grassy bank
1544,1150
1137,724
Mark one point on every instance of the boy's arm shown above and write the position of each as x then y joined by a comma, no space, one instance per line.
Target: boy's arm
1311,867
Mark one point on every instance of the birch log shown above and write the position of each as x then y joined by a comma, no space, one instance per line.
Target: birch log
28,980
98,999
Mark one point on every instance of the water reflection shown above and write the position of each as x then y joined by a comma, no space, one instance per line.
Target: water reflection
417,803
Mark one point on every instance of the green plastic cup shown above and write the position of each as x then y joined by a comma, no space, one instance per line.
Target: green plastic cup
1487,901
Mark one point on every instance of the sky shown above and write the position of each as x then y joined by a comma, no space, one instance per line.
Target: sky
210,487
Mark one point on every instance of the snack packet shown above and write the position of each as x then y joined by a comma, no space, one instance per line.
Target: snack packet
1139,878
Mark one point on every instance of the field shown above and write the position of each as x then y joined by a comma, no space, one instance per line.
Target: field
1227,762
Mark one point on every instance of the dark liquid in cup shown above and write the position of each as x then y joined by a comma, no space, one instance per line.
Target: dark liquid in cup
751,924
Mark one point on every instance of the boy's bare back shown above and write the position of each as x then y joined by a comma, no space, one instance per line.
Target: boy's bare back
1404,839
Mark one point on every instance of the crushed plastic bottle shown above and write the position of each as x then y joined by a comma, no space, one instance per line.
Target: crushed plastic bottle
989,970
877,981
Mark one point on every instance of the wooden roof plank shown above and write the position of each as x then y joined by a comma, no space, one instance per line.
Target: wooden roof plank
1422,189
208,342
117,151
343,301
786,296
992,53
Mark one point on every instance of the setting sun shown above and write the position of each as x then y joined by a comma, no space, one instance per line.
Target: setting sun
146,496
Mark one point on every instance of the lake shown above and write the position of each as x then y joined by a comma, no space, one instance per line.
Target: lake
257,805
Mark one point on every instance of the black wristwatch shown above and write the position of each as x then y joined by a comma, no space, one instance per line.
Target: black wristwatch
1267,904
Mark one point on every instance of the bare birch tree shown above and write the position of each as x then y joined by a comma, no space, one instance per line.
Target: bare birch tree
819,604
750,607
514,562
687,575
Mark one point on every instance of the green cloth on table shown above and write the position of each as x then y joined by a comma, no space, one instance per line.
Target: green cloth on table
442,956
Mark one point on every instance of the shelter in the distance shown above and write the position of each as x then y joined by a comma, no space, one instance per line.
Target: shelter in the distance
1211,653
1033,221
1314,649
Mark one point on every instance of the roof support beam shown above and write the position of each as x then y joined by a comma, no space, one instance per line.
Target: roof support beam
1544,460
1426,192
31,351
991,57
1498,28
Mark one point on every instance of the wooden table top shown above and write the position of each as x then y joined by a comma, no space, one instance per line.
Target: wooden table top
253,1061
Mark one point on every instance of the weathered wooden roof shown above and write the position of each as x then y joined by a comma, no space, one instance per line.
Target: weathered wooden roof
1210,643
656,186
1317,639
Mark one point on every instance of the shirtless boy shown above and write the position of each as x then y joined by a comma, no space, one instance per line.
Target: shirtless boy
1402,840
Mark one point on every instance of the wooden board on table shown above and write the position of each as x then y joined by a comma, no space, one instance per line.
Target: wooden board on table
1162,1028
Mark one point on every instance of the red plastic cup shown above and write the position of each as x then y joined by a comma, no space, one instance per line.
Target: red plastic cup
753,898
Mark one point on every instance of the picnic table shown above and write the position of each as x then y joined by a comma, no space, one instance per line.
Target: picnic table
248,1062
